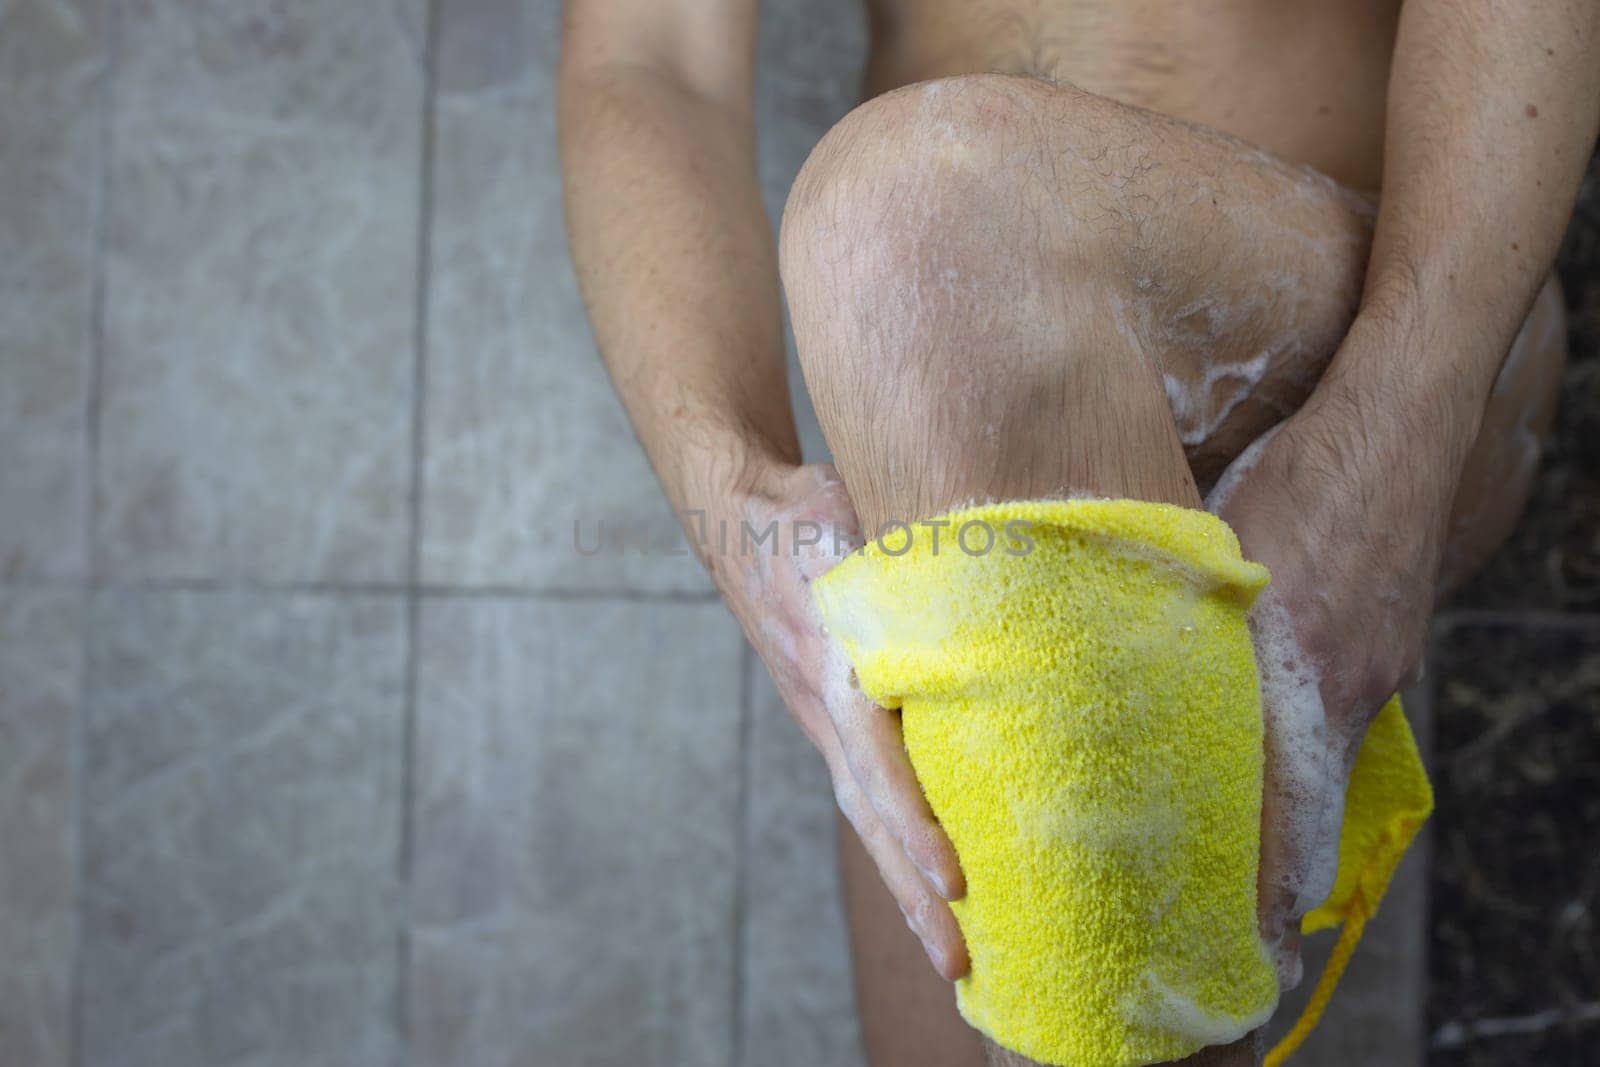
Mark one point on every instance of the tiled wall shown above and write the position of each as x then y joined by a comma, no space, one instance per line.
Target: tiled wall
318,742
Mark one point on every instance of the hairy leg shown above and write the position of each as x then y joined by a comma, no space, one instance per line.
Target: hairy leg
1004,289
987,214
959,343
908,1012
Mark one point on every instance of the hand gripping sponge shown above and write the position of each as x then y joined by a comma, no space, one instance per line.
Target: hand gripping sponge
1079,698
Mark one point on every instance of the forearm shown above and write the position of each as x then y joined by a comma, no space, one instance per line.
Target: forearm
1492,116
675,259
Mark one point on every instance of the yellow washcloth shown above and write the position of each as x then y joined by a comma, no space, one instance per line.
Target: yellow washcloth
1079,700
1387,802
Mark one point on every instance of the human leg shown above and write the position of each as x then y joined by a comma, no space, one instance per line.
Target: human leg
1014,378
1006,289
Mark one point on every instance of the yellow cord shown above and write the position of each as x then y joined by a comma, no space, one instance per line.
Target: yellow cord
1329,980
1384,860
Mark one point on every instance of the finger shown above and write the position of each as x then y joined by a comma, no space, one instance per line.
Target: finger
929,917
1275,907
1301,814
1274,899
809,711
1286,958
875,751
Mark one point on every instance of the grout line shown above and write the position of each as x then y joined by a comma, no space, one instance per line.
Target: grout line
741,860
1442,621
357,588
80,846
250,585
626,596
45,582
419,385
93,565
100,226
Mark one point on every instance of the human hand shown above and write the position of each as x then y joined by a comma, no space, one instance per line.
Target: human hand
801,523
1351,527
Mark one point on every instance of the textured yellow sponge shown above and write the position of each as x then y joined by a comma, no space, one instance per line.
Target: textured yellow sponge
1080,703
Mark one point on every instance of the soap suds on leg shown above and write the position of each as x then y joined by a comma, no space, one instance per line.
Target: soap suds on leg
1306,774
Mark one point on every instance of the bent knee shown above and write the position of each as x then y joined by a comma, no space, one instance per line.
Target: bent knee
928,136
940,210
939,158
957,302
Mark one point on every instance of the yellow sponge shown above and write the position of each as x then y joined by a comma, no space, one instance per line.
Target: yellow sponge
1079,700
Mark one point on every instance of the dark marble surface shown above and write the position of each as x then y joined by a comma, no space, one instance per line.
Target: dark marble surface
1515,952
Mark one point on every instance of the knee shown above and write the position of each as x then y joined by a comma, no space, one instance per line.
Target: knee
936,208
956,293
912,154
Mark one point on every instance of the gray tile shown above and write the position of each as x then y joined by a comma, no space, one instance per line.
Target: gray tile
575,812
52,62
808,76
524,436
260,291
40,666
798,1002
242,776
811,56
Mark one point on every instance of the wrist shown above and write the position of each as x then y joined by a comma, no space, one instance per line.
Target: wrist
715,465
717,486
1396,462
1407,394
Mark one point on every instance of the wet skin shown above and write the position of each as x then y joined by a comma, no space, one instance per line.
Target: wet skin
1248,291
1099,248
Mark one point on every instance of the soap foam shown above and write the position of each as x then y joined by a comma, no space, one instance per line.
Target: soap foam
791,564
1306,768
1199,413
1138,835
1159,1006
